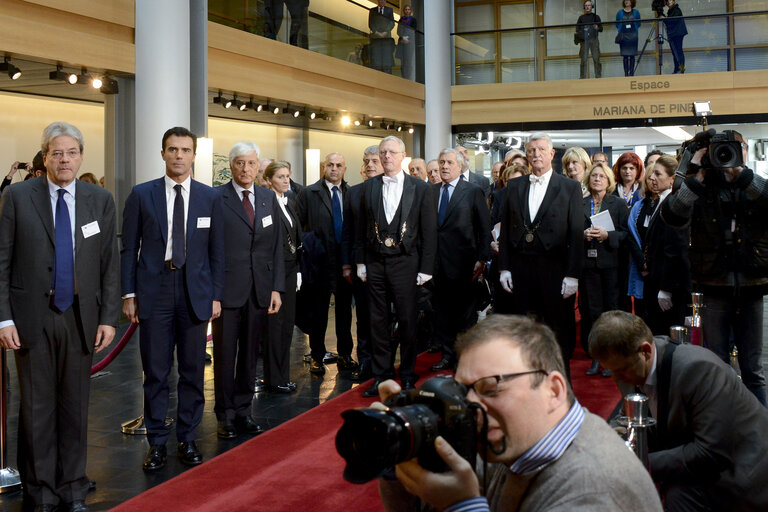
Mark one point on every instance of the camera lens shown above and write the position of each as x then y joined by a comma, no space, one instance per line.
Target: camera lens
725,155
372,440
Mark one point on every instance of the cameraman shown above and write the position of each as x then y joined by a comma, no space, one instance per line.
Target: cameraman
726,210
545,451
589,25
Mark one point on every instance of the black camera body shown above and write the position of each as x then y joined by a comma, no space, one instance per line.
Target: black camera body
723,149
658,7
374,440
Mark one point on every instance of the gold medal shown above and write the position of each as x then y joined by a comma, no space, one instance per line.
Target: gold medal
389,242
529,237
292,248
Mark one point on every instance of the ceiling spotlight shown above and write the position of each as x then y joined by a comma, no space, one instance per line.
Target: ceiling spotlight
72,78
345,121
227,103
14,73
275,110
295,112
399,127
357,122
410,130
259,107
312,115
219,100
384,125
96,83
243,106
370,123
58,74
109,86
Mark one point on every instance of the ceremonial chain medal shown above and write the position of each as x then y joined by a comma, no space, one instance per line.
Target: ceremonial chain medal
530,231
291,245
389,241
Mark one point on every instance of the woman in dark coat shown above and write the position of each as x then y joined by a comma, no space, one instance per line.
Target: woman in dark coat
663,256
280,325
406,44
628,34
676,31
598,286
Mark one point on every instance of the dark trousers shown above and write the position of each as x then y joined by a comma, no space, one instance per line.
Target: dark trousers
629,65
342,292
598,293
742,317
237,336
298,11
363,317
53,421
392,279
590,46
382,53
537,281
277,349
454,303
676,45
172,324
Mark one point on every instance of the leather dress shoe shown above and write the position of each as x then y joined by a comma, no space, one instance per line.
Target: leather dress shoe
316,367
189,454
606,373
225,430
258,386
280,388
594,368
346,363
373,391
409,382
362,373
76,506
155,458
91,484
247,425
330,357
444,364
292,385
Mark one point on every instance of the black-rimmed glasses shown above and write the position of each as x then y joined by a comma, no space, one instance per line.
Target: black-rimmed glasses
489,386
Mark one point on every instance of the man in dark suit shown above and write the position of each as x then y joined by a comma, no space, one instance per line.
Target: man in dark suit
395,243
173,282
58,305
708,450
381,21
253,281
473,177
463,247
320,211
371,168
541,242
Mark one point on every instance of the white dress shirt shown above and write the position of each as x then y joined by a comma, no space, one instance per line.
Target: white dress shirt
282,201
391,193
170,197
451,187
240,191
537,192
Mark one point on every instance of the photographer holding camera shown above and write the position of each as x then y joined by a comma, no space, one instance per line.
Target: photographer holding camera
726,204
544,451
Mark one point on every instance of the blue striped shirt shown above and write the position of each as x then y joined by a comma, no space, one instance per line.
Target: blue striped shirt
549,448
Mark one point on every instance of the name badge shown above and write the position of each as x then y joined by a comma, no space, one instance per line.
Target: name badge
266,221
203,222
591,253
628,26
90,229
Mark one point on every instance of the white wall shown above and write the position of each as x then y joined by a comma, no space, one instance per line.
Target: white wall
23,118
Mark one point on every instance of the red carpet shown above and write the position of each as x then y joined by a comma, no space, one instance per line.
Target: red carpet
295,466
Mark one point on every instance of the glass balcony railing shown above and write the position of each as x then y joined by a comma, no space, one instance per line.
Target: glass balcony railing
344,29
715,42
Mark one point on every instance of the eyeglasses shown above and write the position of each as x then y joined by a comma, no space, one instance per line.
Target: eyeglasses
243,163
58,155
489,386
387,152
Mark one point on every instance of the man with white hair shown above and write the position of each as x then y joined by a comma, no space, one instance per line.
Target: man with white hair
395,243
252,284
472,177
540,249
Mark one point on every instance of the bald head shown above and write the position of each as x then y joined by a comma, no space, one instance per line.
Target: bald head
418,168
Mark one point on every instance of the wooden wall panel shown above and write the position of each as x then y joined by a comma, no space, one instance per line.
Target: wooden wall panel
119,12
739,92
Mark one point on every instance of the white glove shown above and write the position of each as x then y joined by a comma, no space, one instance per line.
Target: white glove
298,281
505,278
665,300
361,272
422,278
570,285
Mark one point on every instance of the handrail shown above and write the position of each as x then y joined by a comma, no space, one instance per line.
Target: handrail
607,22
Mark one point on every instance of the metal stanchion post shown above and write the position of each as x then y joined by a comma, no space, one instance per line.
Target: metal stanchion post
10,481
136,427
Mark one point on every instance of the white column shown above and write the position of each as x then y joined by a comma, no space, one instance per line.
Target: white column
437,76
162,79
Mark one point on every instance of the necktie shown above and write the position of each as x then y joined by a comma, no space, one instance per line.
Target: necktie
248,207
443,204
64,276
535,179
462,177
337,220
177,232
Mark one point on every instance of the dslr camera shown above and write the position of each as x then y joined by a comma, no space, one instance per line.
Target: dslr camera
373,440
657,6
723,149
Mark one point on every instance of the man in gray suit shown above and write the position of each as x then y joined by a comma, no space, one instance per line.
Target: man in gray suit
472,177
709,449
59,303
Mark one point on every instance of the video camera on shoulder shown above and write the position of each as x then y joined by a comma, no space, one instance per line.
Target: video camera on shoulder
374,440
723,149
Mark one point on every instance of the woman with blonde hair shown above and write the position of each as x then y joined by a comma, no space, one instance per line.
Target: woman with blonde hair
575,164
